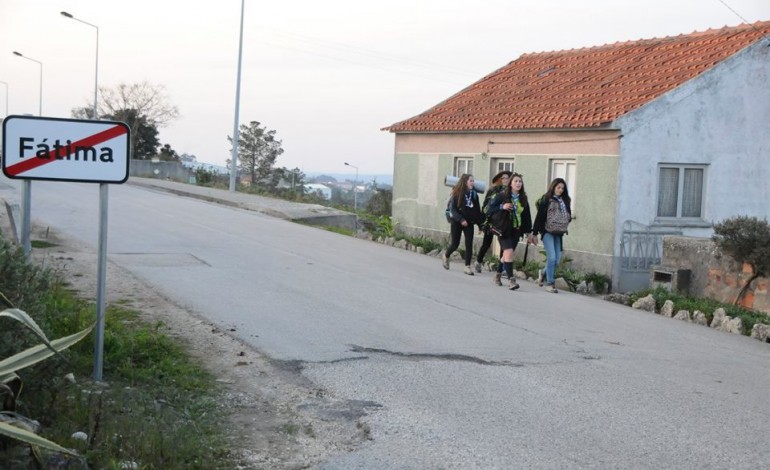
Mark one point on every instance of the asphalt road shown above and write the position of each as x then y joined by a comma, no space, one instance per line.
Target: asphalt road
453,372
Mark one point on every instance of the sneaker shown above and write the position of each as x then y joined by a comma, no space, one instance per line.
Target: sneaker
477,267
497,280
444,261
550,288
468,270
512,284
540,276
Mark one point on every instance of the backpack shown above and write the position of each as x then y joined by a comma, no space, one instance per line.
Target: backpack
448,211
556,220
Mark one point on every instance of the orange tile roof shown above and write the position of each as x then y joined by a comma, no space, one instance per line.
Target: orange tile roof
582,88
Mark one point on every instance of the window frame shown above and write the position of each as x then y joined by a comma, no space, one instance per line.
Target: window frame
456,165
681,168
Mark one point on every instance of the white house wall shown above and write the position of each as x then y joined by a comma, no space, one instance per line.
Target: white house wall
720,119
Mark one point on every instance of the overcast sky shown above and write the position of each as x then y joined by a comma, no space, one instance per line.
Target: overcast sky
326,75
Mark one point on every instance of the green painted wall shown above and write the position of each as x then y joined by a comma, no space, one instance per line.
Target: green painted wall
418,203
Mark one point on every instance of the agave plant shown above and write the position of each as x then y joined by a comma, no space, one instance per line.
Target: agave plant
12,424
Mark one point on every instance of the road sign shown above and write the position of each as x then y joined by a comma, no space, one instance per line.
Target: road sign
42,148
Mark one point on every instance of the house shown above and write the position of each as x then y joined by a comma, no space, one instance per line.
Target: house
320,189
655,136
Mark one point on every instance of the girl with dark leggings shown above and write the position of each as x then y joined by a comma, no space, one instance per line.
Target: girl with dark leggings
465,213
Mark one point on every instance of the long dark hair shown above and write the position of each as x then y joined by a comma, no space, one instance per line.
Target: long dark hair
550,193
522,193
460,188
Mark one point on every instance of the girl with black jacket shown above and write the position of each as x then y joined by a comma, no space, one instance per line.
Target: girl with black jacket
465,213
509,213
499,183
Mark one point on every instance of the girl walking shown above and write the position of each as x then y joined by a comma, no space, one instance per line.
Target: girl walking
499,183
465,213
553,216
509,214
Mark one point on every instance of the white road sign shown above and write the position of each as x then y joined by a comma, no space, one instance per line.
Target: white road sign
42,148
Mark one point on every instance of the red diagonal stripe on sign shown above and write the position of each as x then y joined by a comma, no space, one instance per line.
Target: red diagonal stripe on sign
34,162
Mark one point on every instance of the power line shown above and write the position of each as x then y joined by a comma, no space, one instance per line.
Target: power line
360,63
764,35
371,53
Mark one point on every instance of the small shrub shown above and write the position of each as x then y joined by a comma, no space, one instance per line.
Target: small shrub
747,240
426,243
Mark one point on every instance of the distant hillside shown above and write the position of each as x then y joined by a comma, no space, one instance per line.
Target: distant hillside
362,177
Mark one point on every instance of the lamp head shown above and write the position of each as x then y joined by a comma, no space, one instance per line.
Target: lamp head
18,54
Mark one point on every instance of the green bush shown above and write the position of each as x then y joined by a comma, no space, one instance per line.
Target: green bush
24,285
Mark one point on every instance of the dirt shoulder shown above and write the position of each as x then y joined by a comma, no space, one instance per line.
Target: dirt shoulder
279,420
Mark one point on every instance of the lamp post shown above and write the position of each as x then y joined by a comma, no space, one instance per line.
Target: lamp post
234,160
96,74
355,193
40,101
101,267
26,185
6,97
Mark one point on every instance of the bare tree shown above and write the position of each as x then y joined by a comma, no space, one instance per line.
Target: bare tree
149,100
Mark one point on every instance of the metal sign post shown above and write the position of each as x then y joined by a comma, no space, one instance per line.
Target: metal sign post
71,150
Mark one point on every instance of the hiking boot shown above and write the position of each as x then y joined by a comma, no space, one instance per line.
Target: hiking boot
550,288
477,267
444,261
540,276
512,284
468,270
497,280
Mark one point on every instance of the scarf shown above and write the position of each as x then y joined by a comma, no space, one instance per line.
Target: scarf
518,207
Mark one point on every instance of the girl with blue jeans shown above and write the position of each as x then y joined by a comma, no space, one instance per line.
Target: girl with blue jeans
558,196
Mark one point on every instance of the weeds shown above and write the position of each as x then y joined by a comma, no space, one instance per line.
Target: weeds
157,407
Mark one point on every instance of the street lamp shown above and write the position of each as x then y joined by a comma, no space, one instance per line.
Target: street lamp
40,103
355,193
6,96
96,74
234,160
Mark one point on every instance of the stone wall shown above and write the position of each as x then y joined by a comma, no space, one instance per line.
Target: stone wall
712,276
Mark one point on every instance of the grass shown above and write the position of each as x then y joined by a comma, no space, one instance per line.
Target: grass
42,244
156,407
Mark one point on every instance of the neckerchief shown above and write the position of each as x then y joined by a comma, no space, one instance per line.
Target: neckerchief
469,199
517,207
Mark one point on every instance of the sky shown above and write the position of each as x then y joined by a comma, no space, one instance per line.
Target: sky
325,75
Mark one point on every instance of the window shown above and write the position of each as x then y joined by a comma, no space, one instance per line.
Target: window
499,165
680,191
503,165
566,169
463,165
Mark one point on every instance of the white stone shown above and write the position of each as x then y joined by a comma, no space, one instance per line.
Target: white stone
700,318
667,310
79,436
683,315
719,317
561,284
734,325
761,332
645,303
